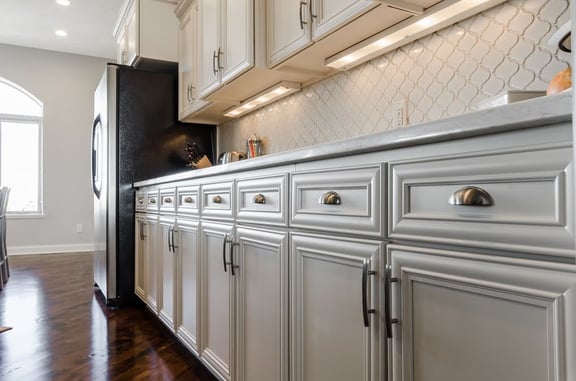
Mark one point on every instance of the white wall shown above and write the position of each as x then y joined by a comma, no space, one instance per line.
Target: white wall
65,84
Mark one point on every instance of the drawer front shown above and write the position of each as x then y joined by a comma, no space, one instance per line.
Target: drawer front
530,193
168,200
217,200
263,200
152,201
342,200
140,201
188,200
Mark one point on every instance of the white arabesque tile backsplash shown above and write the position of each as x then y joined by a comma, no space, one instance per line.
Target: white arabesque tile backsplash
444,74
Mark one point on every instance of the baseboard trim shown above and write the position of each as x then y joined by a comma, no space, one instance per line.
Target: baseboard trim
50,249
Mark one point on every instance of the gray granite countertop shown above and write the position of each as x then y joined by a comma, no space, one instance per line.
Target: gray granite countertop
526,114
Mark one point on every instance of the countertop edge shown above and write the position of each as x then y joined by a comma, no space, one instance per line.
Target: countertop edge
531,113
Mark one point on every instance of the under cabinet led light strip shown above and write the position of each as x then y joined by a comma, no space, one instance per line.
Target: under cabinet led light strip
431,20
263,98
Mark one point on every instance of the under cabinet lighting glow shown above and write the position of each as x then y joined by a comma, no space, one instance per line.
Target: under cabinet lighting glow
61,33
263,98
64,3
433,19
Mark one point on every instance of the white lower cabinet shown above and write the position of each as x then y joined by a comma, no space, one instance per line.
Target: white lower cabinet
187,278
261,305
168,260
217,304
474,317
244,307
335,308
152,260
140,257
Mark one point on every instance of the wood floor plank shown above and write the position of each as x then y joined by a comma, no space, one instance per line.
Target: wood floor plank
61,331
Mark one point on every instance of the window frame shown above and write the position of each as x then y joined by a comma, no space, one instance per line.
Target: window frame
38,120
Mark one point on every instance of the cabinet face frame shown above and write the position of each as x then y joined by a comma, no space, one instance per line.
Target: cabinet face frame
547,288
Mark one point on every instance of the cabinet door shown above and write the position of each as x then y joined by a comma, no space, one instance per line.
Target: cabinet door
186,54
132,34
210,50
188,246
476,318
153,262
167,272
140,240
121,47
330,338
262,305
237,37
216,302
287,28
328,15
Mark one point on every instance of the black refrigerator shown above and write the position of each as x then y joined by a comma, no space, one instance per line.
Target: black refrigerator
135,136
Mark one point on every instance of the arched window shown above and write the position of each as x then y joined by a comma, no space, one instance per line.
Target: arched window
21,148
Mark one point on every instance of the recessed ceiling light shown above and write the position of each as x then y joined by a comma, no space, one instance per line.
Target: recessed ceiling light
63,2
61,33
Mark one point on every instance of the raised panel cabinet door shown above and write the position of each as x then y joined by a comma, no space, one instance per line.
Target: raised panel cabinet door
121,47
186,50
328,15
335,311
217,305
210,50
167,266
475,318
140,257
262,305
238,38
133,34
287,28
153,261
188,270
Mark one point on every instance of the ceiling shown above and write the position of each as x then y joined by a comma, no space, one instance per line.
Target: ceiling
89,24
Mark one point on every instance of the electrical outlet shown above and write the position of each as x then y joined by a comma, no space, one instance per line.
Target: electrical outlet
400,113
79,228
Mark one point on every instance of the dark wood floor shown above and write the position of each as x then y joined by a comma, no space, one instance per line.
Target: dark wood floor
61,331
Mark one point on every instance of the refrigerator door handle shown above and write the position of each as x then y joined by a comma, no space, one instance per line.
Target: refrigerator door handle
96,156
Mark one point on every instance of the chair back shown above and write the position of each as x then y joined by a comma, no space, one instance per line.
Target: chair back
4,194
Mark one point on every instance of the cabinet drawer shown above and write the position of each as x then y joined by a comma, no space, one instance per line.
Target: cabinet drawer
217,200
530,192
152,201
263,200
188,200
140,201
168,200
343,200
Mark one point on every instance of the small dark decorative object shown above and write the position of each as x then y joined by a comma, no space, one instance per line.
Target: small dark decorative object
195,159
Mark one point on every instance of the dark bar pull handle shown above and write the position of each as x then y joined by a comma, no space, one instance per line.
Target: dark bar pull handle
301,14
169,238
174,247
232,265
224,253
365,310
387,285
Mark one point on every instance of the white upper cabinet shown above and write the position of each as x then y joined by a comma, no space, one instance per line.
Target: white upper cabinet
188,99
293,25
226,42
327,15
146,29
302,34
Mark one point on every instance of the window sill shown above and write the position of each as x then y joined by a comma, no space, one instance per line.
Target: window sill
24,216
